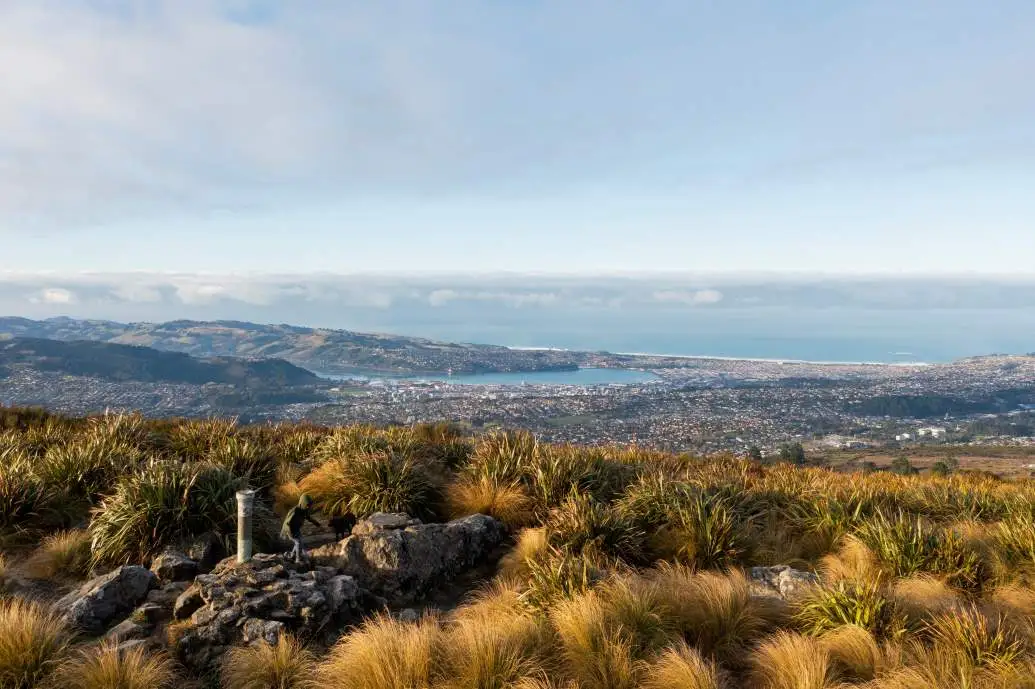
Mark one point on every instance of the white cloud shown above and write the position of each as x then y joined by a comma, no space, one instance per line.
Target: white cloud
690,298
54,295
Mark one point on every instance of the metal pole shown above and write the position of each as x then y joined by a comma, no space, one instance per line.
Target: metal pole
245,501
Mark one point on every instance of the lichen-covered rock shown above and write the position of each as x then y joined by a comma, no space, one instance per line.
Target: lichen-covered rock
402,559
172,565
207,550
258,600
782,581
107,599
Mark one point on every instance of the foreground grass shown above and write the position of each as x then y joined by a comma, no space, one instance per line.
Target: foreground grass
627,570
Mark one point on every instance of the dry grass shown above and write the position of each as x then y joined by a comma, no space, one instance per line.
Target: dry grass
63,555
716,612
682,667
492,644
854,653
598,652
507,502
922,596
110,667
32,642
285,665
382,654
791,661
531,545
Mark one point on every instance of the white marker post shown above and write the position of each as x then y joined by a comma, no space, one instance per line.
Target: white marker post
245,502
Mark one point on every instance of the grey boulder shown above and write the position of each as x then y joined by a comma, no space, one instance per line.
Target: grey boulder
107,599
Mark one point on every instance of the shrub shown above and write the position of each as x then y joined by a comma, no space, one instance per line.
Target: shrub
558,575
682,667
284,665
87,467
706,533
164,504
508,502
581,524
27,504
255,465
792,661
374,482
32,642
64,555
110,667
861,604
382,654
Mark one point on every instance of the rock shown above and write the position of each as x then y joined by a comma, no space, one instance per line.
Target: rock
380,521
128,630
782,581
208,550
188,603
167,595
408,615
172,565
106,599
399,558
258,601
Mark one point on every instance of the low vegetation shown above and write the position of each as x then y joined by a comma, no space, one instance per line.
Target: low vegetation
628,568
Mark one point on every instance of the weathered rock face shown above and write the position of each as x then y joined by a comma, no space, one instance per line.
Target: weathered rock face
173,565
207,550
395,556
258,601
782,581
106,599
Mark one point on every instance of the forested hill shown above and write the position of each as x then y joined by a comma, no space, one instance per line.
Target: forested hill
127,362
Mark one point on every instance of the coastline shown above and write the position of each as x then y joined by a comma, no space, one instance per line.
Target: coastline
714,357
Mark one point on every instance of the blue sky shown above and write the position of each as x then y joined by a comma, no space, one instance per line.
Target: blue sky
560,137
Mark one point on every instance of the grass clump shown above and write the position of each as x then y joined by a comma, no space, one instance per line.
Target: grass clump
110,667
63,555
583,525
508,502
162,504
33,641
383,653
791,661
284,665
682,667
378,481
861,604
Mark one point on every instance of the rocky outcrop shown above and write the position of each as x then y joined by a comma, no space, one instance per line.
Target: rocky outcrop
257,601
107,599
398,557
172,565
782,581
207,550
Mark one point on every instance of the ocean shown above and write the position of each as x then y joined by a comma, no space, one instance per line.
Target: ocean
843,335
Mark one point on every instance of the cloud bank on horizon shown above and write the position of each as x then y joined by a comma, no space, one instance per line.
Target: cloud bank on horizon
225,135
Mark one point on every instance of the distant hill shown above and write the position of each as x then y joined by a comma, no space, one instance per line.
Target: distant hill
318,349
119,362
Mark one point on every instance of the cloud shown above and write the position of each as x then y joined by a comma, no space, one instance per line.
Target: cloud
54,295
694,298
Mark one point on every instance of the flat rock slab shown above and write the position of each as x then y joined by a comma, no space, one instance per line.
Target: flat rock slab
107,599
401,559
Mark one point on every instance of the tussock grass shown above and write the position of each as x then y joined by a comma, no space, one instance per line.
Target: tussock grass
492,644
110,667
583,525
791,661
531,545
716,612
160,505
63,555
854,653
509,502
923,596
284,665
376,481
33,641
382,654
682,667
861,604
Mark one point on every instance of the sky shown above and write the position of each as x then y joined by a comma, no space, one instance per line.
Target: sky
194,137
